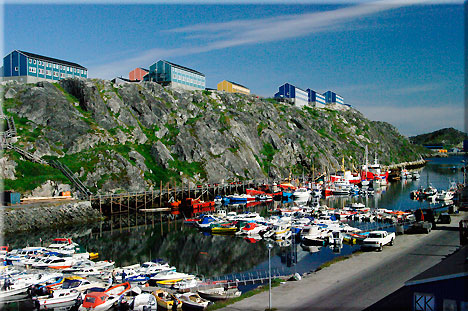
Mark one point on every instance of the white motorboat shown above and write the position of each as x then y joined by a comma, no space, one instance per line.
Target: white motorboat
151,268
61,263
252,228
20,284
186,285
143,302
444,195
171,275
219,293
336,238
314,235
193,301
58,299
302,194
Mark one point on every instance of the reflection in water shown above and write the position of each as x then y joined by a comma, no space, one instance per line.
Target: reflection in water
118,239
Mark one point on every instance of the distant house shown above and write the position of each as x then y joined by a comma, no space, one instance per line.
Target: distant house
333,98
232,87
176,76
30,68
292,94
137,74
316,99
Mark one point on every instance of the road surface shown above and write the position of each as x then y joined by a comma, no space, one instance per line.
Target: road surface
365,278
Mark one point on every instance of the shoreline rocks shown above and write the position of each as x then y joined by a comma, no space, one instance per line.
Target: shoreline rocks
41,216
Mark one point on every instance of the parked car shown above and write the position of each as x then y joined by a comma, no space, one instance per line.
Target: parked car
377,239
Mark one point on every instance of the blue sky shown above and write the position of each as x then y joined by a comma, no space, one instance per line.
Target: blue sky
395,61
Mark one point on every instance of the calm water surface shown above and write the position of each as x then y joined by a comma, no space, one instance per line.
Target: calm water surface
191,251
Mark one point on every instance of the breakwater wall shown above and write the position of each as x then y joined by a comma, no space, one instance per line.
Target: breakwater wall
407,165
37,217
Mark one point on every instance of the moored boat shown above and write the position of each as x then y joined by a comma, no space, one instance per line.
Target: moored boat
167,300
193,301
219,293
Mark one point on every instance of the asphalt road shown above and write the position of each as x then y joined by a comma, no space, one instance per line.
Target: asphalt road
365,278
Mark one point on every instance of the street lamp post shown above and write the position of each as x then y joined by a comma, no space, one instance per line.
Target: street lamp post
270,246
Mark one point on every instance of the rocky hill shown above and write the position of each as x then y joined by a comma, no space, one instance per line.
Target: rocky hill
447,137
129,137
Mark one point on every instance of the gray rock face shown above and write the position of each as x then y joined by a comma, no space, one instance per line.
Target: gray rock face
161,155
130,136
49,189
7,168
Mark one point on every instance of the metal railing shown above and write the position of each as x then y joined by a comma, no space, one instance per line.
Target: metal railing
69,174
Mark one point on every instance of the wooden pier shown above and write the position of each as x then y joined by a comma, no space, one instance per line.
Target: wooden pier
156,200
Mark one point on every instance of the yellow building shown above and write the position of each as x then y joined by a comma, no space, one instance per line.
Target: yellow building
231,87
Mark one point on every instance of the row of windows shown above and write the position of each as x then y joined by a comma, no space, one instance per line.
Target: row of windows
57,66
48,72
190,84
185,77
180,75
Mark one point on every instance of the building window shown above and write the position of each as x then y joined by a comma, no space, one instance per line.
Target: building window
423,302
41,71
48,72
55,74
34,62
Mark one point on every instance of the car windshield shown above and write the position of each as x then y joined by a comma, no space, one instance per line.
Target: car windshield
90,299
375,235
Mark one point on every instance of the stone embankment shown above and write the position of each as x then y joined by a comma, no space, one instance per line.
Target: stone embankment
41,216
407,165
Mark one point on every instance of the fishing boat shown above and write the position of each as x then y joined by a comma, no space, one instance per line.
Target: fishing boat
193,301
374,172
167,300
219,293
101,301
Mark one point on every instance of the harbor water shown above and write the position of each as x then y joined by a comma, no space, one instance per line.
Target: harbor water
126,241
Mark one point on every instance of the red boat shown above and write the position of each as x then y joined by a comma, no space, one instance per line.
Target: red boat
106,299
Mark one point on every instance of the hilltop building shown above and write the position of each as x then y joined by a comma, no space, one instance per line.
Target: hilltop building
292,94
232,87
137,74
176,76
316,99
31,68
333,98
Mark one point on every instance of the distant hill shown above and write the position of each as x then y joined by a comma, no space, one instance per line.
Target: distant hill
447,137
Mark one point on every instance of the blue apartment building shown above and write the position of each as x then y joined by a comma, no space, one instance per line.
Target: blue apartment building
333,98
30,68
293,94
176,76
316,99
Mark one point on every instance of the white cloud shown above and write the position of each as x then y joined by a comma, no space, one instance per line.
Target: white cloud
245,32
413,89
416,120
